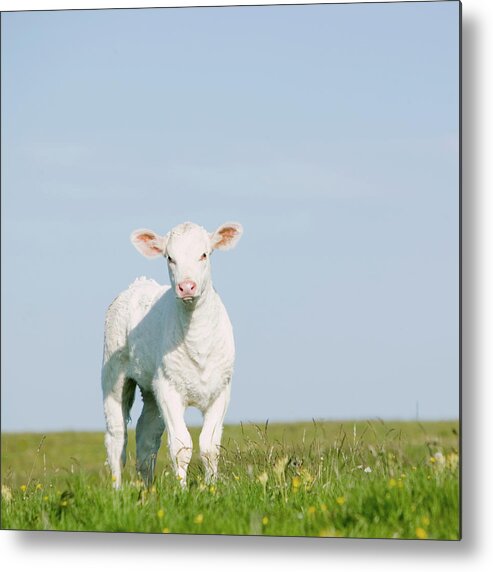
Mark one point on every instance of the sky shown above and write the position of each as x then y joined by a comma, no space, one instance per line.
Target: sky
330,132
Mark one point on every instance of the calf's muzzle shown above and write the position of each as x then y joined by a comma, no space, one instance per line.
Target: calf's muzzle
186,289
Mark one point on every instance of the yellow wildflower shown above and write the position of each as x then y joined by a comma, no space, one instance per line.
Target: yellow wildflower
265,520
295,483
199,519
23,488
160,513
340,500
311,510
45,498
212,489
323,507
165,530
425,521
307,478
421,533
392,483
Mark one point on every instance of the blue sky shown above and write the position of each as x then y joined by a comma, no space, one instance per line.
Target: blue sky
330,132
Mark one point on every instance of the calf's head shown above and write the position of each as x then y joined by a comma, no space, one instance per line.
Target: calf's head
187,249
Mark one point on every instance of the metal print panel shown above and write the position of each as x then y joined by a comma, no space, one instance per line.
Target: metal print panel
230,270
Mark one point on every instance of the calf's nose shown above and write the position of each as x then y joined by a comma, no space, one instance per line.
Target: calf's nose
186,288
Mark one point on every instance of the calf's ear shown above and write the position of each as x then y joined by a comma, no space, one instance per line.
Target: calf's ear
226,236
148,243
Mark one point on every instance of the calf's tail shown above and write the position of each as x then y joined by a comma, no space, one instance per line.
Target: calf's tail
128,396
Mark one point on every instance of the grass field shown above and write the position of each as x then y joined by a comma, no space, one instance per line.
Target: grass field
363,479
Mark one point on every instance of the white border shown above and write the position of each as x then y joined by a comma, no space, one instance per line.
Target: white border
79,552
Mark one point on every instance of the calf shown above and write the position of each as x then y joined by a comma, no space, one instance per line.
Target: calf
176,344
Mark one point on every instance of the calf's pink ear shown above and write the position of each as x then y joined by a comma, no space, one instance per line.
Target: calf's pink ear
226,236
148,243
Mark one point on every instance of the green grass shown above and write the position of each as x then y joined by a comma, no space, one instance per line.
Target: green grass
364,479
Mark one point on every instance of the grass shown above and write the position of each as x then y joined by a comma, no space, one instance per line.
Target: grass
364,479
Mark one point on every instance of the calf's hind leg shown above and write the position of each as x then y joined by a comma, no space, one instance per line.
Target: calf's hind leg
150,427
118,396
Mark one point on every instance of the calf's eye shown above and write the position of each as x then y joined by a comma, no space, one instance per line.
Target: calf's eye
170,260
204,256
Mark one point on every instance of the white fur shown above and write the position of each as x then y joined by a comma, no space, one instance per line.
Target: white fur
179,353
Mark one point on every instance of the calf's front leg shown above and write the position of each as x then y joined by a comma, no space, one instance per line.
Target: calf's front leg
172,409
210,436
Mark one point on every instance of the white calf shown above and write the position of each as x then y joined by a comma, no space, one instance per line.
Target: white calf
176,343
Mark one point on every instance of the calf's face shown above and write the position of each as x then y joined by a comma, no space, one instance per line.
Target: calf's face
187,249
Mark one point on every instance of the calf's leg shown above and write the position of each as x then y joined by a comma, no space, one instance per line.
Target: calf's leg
118,395
150,427
172,408
210,436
